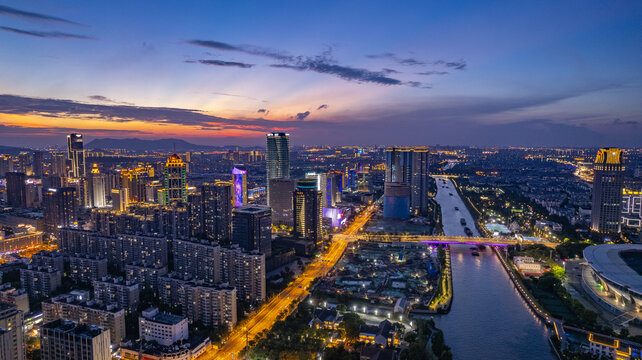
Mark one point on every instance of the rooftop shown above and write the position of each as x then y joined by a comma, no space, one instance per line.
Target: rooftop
607,261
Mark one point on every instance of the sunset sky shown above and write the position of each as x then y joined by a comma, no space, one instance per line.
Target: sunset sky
330,72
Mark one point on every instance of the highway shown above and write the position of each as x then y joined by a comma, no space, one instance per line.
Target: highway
265,317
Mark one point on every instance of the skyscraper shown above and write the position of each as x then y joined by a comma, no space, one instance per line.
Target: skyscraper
217,210
60,208
308,216
239,178
322,184
96,188
396,201
334,187
64,339
608,183
175,180
59,165
24,161
252,228
281,202
419,179
76,155
11,334
6,164
278,158
36,164
16,189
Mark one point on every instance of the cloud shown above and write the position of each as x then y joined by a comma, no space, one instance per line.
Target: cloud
108,100
457,65
221,63
432,73
45,34
321,107
619,122
8,11
323,64
302,116
418,84
236,95
261,110
390,71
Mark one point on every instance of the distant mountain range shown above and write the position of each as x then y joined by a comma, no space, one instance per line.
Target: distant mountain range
165,145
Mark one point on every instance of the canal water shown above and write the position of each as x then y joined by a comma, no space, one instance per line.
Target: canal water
488,318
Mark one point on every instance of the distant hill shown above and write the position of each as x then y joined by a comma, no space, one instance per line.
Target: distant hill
140,145
10,150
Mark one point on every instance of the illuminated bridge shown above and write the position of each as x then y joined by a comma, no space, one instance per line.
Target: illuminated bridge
441,239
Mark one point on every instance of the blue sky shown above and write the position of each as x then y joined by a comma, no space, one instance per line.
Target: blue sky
333,72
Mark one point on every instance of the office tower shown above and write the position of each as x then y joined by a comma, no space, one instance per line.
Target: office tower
277,159
40,282
164,328
135,181
64,339
608,183
24,161
239,178
16,189
396,203
6,164
59,165
60,208
175,181
419,179
96,188
252,228
282,192
307,211
245,271
37,164
119,199
71,307
217,210
11,333
322,184
76,155
125,294
334,187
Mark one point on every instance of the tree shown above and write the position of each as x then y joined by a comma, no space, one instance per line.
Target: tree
351,323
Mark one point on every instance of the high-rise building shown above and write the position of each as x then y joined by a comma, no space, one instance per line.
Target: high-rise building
60,208
135,180
12,345
87,268
308,216
119,199
37,164
217,210
40,282
277,159
76,155
334,187
164,328
239,178
281,201
59,165
175,180
322,184
24,161
126,294
252,228
96,188
16,189
245,271
419,169
64,339
6,164
608,183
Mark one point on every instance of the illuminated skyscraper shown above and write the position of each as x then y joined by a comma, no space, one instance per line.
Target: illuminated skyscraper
334,187
96,188
24,161
175,180
6,164
322,184
60,208
406,182
419,179
608,183
278,158
239,178
59,165
308,216
36,164
76,155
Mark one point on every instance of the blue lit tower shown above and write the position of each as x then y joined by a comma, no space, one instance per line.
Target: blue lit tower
277,159
239,177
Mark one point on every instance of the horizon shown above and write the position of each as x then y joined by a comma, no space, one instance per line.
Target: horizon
469,73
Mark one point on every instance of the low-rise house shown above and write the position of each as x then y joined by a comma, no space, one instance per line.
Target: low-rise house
384,334
324,318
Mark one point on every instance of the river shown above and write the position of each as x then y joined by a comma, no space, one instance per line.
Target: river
488,318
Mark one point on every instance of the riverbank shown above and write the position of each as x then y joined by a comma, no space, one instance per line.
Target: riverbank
440,303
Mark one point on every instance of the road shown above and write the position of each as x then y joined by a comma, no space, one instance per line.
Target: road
265,317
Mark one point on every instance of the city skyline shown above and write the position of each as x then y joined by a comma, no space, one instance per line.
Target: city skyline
223,74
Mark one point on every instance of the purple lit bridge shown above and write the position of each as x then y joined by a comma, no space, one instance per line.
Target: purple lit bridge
441,240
